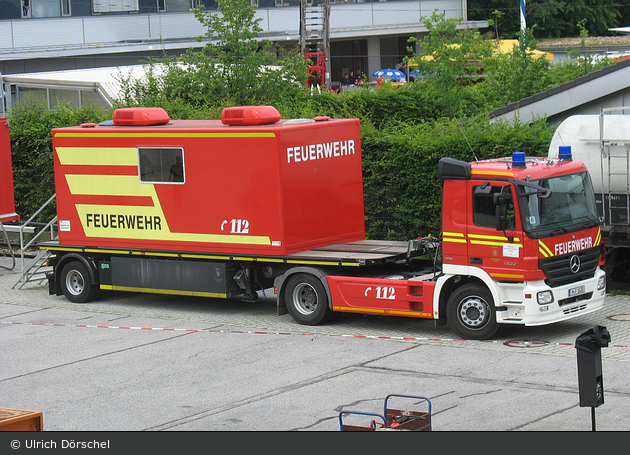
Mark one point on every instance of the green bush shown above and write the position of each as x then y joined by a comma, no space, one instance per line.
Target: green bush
31,152
402,191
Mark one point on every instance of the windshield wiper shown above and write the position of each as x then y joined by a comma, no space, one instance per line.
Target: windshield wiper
540,191
556,228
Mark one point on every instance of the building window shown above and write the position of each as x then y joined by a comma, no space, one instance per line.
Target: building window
26,8
161,164
115,6
66,8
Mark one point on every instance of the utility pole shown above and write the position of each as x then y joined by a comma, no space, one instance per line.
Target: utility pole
315,40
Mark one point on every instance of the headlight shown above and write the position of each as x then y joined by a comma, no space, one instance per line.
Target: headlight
601,283
544,297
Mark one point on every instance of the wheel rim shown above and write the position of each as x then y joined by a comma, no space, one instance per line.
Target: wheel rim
74,283
305,298
473,312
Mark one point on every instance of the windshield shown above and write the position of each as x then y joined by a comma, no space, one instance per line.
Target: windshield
571,201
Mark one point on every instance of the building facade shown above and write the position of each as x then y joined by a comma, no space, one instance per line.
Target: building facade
54,35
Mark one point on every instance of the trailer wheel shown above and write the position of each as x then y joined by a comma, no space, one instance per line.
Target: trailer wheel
471,313
306,299
75,283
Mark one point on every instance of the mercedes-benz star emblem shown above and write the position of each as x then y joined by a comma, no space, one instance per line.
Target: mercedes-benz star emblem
574,264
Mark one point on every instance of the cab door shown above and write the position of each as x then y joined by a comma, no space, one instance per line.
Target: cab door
497,251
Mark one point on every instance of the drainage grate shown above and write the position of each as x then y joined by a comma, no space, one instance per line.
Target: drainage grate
526,343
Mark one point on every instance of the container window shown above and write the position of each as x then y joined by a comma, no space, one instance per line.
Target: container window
161,164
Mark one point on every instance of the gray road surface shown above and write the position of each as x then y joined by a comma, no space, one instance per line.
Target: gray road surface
135,362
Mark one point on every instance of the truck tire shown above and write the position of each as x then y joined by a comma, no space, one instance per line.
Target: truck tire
306,299
76,284
471,313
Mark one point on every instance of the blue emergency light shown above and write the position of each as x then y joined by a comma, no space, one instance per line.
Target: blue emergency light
564,153
518,159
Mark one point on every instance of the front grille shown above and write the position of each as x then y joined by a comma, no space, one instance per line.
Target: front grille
574,309
558,272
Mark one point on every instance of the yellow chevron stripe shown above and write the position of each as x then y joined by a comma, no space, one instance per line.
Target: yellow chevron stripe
98,156
125,185
598,237
544,249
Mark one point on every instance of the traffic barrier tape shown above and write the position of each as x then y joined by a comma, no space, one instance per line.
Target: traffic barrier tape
380,337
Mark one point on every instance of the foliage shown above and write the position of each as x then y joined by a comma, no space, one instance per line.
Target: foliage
450,59
400,167
31,146
553,18
233,68
516,74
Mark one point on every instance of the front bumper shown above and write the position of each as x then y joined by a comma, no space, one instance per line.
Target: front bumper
519,304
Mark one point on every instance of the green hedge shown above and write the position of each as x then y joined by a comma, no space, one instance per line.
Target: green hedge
402,191
31,127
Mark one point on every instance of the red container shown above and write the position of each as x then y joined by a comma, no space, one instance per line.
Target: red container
272,189
7,195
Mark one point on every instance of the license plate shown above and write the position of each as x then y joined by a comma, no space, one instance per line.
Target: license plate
576,291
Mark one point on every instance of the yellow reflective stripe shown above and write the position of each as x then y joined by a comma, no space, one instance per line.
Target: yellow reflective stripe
380,311
499,238
478,239
544,249
167,135
124,185
98,156
507,275
494,173
485,242
460,237
103,250
110,287
454,240
294,261
492,240
598,237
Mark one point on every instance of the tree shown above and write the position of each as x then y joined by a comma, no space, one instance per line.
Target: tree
554,18
450,58
516,74
233,67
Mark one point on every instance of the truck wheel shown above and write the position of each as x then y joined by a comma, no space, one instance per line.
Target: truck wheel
471,313
306,299
75,283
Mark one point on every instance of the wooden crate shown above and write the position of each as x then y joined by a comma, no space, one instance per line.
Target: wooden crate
21,420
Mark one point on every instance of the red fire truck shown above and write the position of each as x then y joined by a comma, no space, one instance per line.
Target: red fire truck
226,208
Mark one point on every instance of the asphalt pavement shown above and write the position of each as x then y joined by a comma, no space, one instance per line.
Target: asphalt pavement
144,362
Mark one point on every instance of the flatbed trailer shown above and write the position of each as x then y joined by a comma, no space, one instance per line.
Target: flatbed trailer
304,277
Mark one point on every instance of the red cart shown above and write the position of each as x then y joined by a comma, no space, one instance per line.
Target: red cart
393,419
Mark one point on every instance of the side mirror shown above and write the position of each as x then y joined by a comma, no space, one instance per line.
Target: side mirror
500,211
